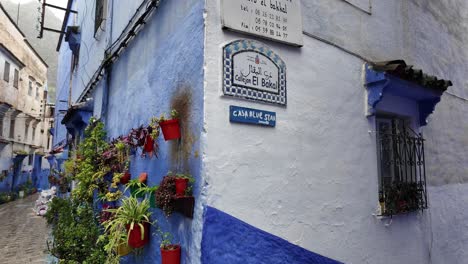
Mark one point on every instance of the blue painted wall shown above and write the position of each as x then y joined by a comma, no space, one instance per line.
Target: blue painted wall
63,84
162,68
5,185
43,180
227,240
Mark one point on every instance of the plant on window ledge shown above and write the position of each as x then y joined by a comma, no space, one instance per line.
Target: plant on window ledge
401,197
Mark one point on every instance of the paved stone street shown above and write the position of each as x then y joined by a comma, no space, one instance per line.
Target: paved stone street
23,234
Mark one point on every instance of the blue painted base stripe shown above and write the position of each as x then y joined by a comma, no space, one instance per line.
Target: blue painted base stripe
227,239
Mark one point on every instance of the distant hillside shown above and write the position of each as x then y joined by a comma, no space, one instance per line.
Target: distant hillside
28,15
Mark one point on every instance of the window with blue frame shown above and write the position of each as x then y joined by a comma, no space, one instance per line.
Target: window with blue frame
399,99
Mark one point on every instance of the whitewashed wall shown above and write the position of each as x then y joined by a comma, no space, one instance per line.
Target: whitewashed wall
313,179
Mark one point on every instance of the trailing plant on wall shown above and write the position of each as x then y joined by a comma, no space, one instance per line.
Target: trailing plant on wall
145,137
165,194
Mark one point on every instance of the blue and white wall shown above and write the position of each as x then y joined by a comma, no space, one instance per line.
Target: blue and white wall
312,180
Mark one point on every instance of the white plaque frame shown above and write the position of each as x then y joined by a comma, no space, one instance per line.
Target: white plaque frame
277,20
278,97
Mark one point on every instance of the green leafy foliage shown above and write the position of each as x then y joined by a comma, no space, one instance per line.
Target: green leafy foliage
89,168
130,213
75,231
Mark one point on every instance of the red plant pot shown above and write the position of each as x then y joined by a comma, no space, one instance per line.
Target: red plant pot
170,129
149,144
180,186
134,238
170,256
125,178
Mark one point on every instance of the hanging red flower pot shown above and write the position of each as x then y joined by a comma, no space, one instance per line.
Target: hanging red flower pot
134,237
170,254
149,144
125,178
181,186
170,129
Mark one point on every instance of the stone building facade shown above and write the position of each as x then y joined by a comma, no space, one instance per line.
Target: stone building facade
25,115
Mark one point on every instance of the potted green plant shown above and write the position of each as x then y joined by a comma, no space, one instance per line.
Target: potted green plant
125,177
134,216
170,128
170,252
150,146
150,193
136,184
183,184
116,238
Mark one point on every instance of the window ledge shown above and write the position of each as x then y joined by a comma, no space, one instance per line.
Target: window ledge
398,79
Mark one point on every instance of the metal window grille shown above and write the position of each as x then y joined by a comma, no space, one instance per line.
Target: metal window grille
402,179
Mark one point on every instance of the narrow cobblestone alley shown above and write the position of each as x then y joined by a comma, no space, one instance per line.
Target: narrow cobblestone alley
23,233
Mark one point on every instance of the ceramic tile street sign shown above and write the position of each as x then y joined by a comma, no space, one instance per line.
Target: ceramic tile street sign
245,115
253,71
279,20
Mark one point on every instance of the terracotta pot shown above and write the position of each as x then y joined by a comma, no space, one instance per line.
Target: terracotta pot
171,256
181,186
170,129
143,177
125,178
134,238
